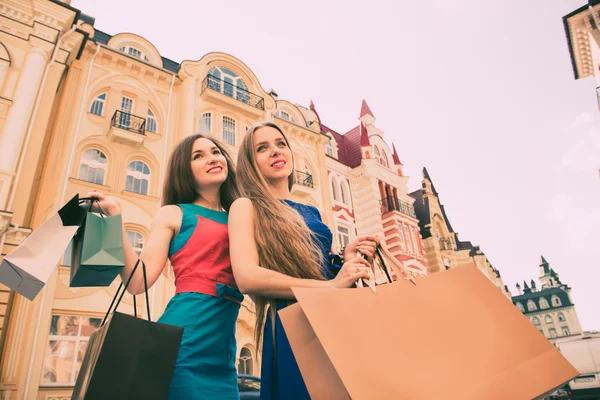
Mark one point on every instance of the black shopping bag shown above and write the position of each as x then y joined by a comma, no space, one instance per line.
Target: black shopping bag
128,357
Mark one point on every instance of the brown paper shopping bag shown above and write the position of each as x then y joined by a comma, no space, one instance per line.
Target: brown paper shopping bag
453,335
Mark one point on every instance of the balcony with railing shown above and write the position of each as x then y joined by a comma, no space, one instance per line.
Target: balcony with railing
303,183
216,85
394,204
128,128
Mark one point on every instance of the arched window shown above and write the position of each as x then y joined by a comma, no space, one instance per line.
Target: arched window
329,148
93,166
97,106
229,130
334,190
548,320
535,320
544,303
520,307
245,366
401,236
138,178
345,192
414,240
284,115
134,52
384,159
556,301
561,317
376,152
205,123
137,241
224,80
151,125
531,305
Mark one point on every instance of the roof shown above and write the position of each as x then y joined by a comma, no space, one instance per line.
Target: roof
365,110
568,33
349,152
103,38
364,136
395,155
421,206
546,293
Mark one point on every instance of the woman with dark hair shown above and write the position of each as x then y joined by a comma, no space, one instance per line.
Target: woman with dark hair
276,244
190,229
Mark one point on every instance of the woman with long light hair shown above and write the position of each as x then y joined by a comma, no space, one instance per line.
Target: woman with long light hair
277,244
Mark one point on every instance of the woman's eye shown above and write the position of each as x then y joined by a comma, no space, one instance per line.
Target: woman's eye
216,152
281,144
260,148
197,156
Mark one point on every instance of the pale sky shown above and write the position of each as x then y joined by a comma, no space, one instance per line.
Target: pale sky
480,93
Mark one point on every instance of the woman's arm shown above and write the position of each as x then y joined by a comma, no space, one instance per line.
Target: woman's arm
251,278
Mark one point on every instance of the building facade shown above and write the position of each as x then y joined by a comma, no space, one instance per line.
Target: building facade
81,109
550,307
443,249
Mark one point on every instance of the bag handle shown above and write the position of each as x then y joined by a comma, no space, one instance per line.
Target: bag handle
120,296
92,200
397,267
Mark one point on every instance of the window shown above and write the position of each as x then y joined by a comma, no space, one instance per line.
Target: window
136,240
284,115
447,264
556,301
151,125
343,236
334,190
376,152
229,130
224,80
127,110
544,303
345,192
401,236
565,331
329,148
204,123
535,320
561,317
245,366
407,237
133,52
531,305
414,240
520,306
66,347
383,159
93,166
97,107
552,332
548,319
138,178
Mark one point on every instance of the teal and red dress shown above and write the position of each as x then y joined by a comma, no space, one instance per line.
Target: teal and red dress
280,376
206,305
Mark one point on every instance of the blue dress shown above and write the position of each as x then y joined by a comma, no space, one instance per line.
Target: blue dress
280,376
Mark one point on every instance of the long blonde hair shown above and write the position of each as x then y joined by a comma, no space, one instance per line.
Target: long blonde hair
284,242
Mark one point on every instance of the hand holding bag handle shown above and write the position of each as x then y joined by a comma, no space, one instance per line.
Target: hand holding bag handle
120,296
399,269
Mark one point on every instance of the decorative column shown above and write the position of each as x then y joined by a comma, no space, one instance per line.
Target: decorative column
189,74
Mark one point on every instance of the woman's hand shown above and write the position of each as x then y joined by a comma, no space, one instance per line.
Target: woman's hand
352,270
364,244
104,203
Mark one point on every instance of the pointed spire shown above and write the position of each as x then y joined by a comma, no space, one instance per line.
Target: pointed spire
364,136
525,286
544,266
312,105
395,155
313,109
365,110
518,286
533,285
426,174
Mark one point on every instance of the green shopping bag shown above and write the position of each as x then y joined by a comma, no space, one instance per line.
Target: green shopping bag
97,254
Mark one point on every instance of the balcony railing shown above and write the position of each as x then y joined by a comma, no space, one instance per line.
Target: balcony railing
394,204
304,179
128,122
231,90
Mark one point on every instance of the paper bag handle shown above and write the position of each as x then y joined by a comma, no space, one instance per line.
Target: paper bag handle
120,296
92,200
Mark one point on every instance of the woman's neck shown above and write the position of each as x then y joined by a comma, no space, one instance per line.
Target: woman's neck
209,199
281,189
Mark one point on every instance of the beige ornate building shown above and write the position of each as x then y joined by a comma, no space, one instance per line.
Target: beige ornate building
443,249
